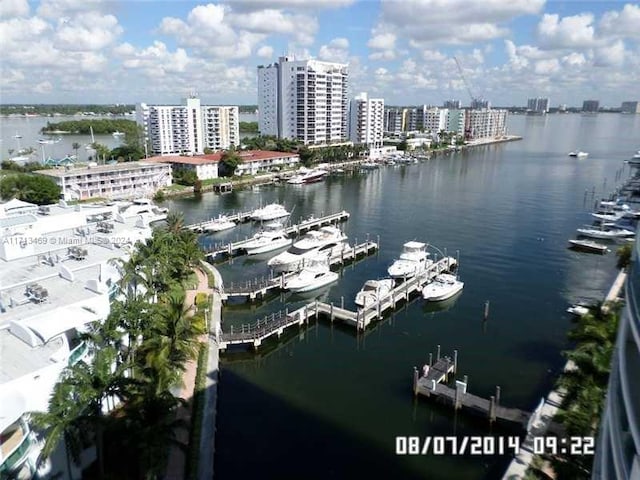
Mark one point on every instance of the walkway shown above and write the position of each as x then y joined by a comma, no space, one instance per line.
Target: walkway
177,458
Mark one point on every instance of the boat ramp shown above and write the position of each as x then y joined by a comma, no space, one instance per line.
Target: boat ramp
231,249
431,382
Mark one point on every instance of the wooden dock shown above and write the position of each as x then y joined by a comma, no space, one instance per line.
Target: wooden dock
231,249
431,382
259,288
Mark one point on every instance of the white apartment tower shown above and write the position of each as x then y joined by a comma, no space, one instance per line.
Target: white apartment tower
435,119
366,117
304,100
189,128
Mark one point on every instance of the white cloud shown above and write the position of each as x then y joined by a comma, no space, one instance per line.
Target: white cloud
87,31
54,9
576,31
623,23
610,56
382,41
43,87
14,8
265,51
547,67
574,60
292,4
336,51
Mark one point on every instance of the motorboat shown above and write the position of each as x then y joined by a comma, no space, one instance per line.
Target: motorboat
636,156
611,234
369,165
374,290
269,212
442,287
588,246
579,154
309,246
311,277
222,222
309,176
609,216
413,260
579,310
118,134
272,237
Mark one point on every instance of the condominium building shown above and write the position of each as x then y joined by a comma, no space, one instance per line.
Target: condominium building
304,100
456,121
252,162
189,128
366,118
435,119
56,278
121,180
539,105
480,103
590,106
630,107
394,120
453,104
485,123
618,444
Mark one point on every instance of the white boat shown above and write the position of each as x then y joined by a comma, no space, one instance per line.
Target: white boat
579,154
413,260
609,216
605,234
219,224
442,287
309,176
117,134
636,156
311,277
373,290
269,212
271,238
369,166
308,247
588,246
579,310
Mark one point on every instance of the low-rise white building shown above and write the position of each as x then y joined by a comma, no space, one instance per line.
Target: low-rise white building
120,180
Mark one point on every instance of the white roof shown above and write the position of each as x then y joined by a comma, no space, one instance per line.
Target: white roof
50,324
12,405
415,245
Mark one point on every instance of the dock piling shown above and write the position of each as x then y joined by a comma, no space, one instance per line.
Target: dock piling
455,361
430,359
438,355
415,381
486,309
498,395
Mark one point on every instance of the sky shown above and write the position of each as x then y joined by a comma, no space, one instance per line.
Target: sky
405,51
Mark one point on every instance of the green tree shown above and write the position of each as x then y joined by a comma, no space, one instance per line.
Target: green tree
307,156
30,188
102,151
186,177
624,256
229,162
76,146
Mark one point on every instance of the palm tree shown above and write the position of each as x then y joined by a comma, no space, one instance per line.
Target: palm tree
76,146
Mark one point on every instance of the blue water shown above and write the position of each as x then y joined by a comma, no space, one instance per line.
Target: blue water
327,403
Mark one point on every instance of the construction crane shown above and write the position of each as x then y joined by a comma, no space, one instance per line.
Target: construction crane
474,99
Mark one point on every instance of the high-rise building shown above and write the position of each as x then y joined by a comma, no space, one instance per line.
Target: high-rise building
538,105
366,119
630,107
456,121
189,128
485,123
453,104
480,103
304,100
394,119
618,445
435,119
590,106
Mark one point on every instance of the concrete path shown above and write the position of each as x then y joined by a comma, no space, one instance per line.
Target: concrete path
177,458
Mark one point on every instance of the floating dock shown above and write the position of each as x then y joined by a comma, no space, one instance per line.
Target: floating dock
231,249
429,383
259,288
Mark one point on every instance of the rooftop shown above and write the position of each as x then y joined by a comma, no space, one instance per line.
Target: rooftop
63,172
19,358
246,156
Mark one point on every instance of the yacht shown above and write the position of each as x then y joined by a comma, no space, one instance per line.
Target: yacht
219,224
579,310
311,277
443,286
269,212
374,290
412,261
579,154
369,165
272,237
635,160
611,234
309,176
117,134
311,244
588,246
609,216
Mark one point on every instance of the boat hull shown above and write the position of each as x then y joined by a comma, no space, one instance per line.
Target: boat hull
588,247
440,294
275,245
320,282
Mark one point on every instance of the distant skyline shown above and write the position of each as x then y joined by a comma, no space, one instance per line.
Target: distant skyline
81,51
